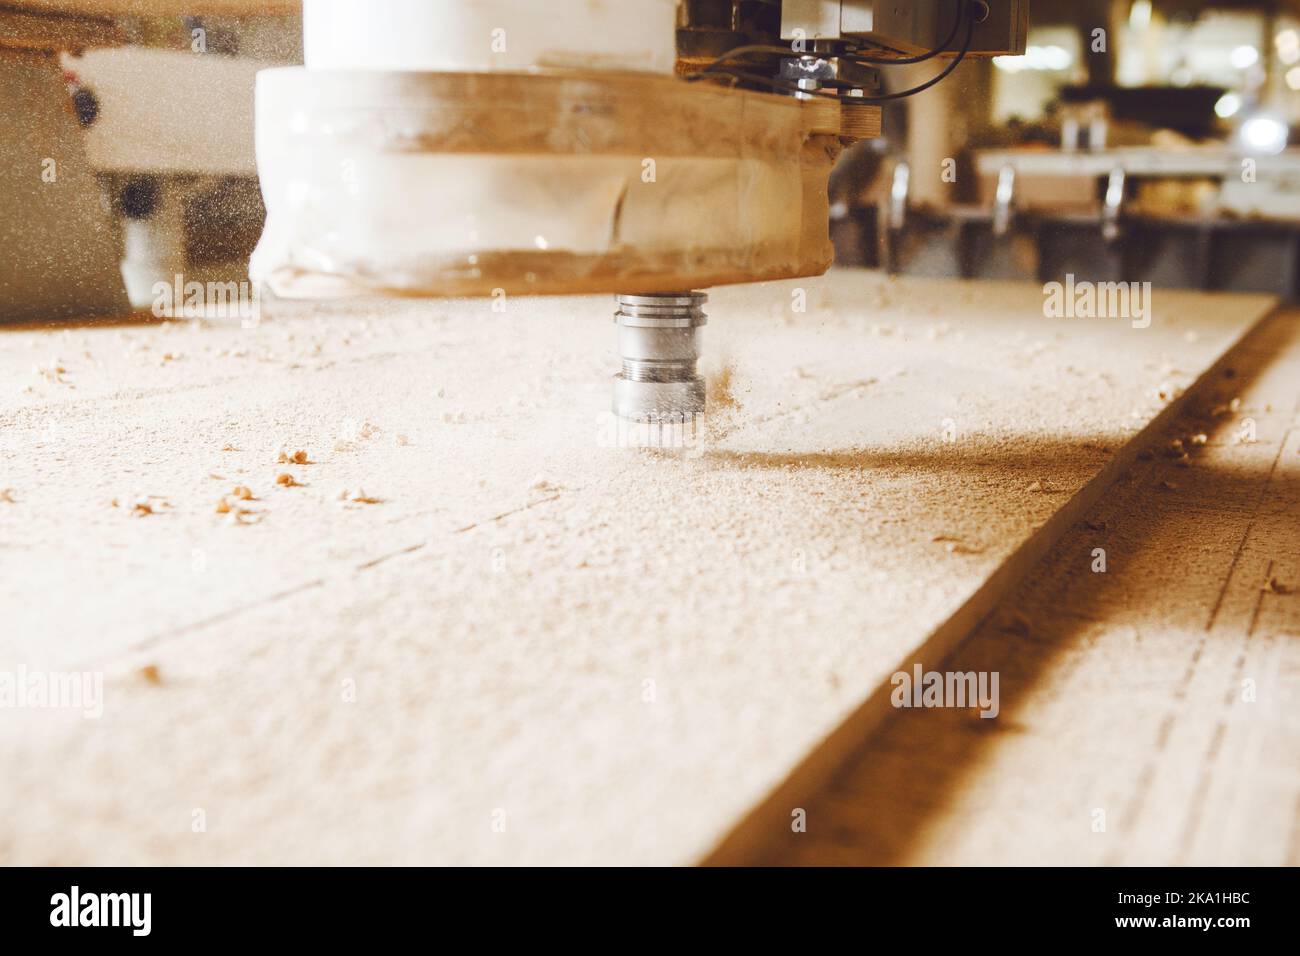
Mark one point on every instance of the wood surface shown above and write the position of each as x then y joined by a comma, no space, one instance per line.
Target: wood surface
519,645
1148,711
158,8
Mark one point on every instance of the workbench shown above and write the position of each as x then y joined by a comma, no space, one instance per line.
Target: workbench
464,630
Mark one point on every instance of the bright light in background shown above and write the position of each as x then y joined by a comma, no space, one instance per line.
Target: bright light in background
1243,57
1228,105
1139,15
1288,46
1052,58
1293,77
1264,134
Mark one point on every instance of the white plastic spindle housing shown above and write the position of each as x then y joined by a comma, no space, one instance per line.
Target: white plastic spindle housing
485,35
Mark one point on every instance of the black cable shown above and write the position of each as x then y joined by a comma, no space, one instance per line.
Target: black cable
716,66
956,62
855,57
920,58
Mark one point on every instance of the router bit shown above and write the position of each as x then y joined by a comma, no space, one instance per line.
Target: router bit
660,386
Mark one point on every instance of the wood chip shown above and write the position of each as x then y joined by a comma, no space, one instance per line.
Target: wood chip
151,674
287,480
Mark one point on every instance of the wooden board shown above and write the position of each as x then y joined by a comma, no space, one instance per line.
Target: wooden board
159,8
1148,711
21,30
533,649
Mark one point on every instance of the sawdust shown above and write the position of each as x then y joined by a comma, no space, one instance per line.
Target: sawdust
723,406
236,514
52,371
1274,586
141,506
1167,392
353,433
242,493
690,551
286,480
296,458
720,389
7,496
151,674
957,545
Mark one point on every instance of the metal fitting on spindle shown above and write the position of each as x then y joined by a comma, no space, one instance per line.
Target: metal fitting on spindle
659,341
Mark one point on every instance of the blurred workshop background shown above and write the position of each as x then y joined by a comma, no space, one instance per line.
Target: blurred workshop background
1142,139
1137,139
